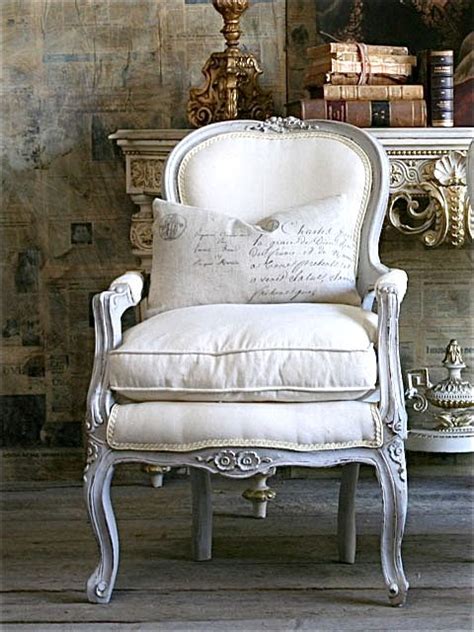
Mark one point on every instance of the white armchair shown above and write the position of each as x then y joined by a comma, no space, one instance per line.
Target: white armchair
239,387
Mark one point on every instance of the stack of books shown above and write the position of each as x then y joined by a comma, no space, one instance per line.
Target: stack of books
362,84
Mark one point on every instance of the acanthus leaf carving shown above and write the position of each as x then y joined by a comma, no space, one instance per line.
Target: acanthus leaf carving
145,173
446,216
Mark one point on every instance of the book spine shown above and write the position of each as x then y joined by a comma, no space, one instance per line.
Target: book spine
350,79
336,47
333,65
374,59
362,113
441,72
368,93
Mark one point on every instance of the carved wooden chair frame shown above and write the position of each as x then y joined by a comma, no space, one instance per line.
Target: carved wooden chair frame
376,283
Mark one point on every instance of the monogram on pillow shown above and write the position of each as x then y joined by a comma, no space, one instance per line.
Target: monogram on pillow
304,254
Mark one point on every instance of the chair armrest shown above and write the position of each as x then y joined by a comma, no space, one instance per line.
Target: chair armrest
108,308
392,281
390,288
133,282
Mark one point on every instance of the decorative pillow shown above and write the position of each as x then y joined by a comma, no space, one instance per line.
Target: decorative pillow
305,254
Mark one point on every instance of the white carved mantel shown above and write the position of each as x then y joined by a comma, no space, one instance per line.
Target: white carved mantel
428,181
428,193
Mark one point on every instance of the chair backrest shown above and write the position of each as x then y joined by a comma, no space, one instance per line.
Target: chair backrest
250,169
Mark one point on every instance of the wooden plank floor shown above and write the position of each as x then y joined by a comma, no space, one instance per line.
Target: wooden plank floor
275,574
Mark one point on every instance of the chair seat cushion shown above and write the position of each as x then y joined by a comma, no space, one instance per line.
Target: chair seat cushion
291,352
185,426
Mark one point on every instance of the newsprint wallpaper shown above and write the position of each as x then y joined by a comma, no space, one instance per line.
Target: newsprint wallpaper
76,70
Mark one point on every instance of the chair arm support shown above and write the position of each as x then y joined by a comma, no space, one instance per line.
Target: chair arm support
390,289
108,308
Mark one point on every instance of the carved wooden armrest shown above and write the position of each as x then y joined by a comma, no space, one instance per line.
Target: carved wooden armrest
133,282
394,281
108,308
390,288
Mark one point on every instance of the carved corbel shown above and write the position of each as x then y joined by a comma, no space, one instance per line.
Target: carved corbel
141,233
430,199
144,174
143,184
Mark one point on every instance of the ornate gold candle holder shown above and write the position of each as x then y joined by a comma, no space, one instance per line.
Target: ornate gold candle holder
231,87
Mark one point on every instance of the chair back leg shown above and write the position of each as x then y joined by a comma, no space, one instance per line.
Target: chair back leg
346,516
202,514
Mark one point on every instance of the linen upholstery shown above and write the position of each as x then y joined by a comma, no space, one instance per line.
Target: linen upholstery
181,427
288,352
308,253
247,173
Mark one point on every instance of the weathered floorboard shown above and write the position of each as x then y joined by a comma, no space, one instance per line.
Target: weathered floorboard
277,574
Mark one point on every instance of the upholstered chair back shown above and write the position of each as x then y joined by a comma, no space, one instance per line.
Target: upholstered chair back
249,173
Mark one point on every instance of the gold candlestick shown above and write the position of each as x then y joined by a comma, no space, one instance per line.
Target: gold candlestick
231,87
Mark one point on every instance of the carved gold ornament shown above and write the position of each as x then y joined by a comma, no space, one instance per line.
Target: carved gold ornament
431,200
141,233
231,87
146,173
448,421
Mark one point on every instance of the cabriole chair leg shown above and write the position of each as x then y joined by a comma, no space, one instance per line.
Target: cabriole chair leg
346,517
392,474
202,514
97,491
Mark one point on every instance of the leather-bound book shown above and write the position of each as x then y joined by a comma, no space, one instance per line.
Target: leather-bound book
442,88
401,113
337,48
464,103
367,93
316,79
403,67
435,73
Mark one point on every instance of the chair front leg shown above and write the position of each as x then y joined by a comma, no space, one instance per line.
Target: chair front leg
346,517
392,474
259,493
202,514
97,479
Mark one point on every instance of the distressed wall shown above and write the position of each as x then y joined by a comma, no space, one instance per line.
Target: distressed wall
76,70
